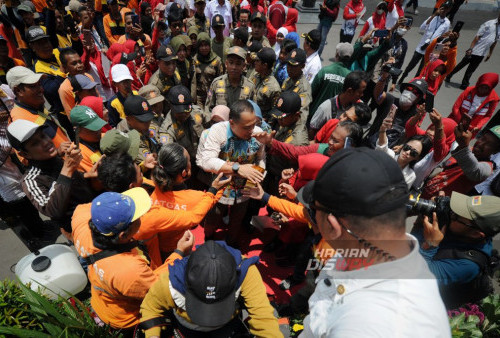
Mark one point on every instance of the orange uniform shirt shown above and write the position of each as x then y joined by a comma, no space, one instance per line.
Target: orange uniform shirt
67,95
120,282
89,157
172,222
55,131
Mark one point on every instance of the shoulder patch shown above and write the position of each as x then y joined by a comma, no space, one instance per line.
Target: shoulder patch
264,89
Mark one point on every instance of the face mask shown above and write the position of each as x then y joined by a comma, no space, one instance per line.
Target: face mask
407,98
401,31
380,11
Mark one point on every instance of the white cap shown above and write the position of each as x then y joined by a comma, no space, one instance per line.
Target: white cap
74,6
20,131
120,72
21,75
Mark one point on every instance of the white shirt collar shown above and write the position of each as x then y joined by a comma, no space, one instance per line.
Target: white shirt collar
310,57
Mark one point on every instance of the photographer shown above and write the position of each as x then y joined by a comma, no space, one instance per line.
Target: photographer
459,253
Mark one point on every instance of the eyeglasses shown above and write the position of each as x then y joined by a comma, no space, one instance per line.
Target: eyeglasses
413,152
454,217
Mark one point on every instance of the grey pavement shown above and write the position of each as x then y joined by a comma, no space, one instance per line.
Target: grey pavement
12,249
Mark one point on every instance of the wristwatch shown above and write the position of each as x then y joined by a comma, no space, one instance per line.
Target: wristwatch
236,167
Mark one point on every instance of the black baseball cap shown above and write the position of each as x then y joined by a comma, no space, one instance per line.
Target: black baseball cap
258,16
419,84
241,33
266,55
297,57
211,282
165,53
288,103
138,107
35,33
180,99
313,37
218,20
354,180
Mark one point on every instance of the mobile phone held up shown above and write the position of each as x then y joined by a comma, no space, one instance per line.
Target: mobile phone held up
429,102
409,21
135,20
381,33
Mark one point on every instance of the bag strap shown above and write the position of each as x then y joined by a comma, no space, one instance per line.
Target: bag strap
155,322
476,256
91,259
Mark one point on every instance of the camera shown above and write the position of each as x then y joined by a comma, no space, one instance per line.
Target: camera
393,71
441,206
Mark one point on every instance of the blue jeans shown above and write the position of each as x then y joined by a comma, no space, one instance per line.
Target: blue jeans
324,27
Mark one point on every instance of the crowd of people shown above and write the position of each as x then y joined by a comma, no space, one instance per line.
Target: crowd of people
127,124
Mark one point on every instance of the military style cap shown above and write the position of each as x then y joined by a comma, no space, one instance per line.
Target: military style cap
297,57
313,37
266,55
238,51
483,211
288,104
152,94
218,20
165,53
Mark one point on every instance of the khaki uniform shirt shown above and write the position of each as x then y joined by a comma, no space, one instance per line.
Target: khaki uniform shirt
295,134
186,134
267,92
303,88
202,25
221,92
148,145
263,40
154,127
221,48
163,83
204,75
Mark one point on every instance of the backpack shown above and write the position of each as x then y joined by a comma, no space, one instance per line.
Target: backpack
457,294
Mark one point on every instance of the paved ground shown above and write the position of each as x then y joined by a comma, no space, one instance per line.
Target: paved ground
12,249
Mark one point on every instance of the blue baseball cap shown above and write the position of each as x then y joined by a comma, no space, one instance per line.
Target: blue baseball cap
113,213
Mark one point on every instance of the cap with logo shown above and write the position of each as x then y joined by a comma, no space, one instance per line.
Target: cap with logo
211,282
266,55
20,131
483,211
35,33
81,82
218,20
115,141
253,46
113,213
120,72
21,75
258,16
495,130
82,116
152,94
138,107
127,57
238,51
297,57
288,103
344,49
165,53
362,177
419,84
180,99
313,37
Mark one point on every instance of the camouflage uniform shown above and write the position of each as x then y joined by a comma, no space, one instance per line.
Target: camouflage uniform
221,92
303,88
186,134
266,93
203,78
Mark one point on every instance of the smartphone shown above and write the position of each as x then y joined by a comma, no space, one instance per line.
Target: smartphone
135,20
69,23
77,137
409,21
429,102
381,33
438,48
87,35
458,26
465,122
393,111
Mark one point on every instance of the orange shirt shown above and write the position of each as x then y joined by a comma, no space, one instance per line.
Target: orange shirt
134,4
54,130
89,158
172,222
39,5
67,95
113,29
120,282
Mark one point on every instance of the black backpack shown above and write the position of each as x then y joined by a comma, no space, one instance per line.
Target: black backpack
455,295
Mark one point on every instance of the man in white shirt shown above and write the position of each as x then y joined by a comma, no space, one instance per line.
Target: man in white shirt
377,284
231,149
433,27
312,41
222,7
483,45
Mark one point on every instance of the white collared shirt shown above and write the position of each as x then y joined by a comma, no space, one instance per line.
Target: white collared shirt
394,299
433,30
213,8
488,33
312,67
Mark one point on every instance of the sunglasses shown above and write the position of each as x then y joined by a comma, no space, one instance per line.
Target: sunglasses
413,152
